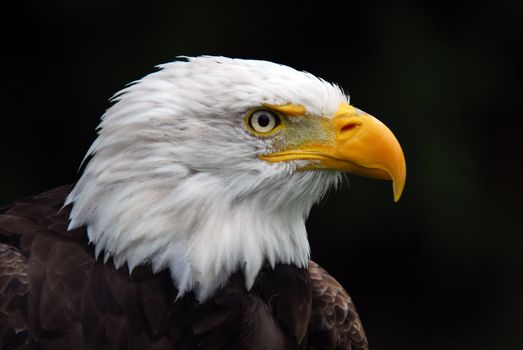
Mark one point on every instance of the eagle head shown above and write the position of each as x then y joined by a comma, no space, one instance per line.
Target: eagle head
211,165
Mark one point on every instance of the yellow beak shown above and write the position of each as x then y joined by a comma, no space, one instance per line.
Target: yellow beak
362,145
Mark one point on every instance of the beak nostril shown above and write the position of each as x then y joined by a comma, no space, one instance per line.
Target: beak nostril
348,127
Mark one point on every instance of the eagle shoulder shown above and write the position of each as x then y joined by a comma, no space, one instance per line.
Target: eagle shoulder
14,287
334,323
54,292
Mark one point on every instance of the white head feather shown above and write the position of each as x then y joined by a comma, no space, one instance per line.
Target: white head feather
175,180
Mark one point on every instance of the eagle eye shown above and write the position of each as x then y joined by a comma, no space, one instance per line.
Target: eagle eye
263,121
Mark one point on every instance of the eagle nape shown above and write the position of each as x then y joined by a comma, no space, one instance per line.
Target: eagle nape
186,228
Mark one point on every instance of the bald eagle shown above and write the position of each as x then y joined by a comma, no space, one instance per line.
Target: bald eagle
186,229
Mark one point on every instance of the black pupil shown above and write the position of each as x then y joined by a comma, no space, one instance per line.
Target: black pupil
264,120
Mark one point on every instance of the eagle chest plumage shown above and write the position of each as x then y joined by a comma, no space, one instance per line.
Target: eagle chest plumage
55,295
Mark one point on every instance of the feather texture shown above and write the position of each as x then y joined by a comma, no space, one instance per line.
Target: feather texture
175,179
54,294
177,235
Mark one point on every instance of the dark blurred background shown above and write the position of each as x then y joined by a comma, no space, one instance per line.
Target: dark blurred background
443,268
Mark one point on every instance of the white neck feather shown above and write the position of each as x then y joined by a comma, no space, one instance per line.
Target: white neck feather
197,226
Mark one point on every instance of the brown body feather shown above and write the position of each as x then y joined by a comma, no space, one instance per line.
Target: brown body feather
55,295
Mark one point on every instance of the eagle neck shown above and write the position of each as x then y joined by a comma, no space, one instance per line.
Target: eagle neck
201,228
